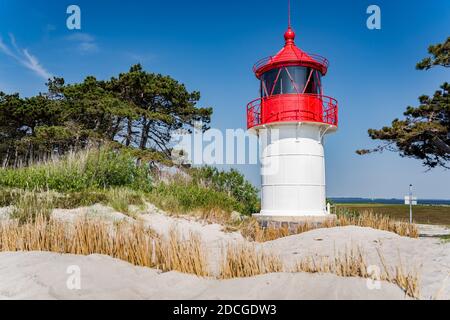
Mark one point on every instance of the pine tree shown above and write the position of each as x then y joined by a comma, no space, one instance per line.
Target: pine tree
425,132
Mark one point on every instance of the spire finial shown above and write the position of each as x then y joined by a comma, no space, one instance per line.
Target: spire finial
289,14
289,35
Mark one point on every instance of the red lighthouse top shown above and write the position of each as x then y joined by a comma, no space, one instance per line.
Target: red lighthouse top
291,88
291,55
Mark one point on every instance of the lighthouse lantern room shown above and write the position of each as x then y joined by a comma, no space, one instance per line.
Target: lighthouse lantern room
291,118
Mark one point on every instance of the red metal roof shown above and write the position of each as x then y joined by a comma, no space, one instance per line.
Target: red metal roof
291,55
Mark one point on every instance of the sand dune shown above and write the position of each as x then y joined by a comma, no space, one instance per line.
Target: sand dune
43,275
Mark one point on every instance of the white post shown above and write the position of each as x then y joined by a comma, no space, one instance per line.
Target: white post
329,208
410,204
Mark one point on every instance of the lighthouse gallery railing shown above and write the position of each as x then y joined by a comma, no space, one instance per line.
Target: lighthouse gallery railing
294,112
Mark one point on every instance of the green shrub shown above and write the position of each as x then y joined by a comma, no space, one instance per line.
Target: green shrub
347,213
179,197
6,197
232,182
85,198
30,205
121,198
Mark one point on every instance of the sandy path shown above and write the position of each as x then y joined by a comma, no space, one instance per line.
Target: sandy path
41,275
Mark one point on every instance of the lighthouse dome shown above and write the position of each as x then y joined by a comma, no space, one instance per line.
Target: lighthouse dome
291,55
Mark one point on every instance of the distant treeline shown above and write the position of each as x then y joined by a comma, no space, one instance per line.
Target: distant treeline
389,201
138,110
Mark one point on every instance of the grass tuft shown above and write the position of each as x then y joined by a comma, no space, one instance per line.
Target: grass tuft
351,263
243,260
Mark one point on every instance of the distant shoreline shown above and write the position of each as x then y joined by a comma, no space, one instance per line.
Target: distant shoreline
436,202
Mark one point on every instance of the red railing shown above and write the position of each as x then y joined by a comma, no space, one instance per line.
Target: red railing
292,108
254,113
265,61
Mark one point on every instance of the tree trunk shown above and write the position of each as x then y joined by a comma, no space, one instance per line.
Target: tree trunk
144,134
129,132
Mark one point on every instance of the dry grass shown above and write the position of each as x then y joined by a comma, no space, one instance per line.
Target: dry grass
408,281
184,255
244,260
381,222
131,242
351,263
253,231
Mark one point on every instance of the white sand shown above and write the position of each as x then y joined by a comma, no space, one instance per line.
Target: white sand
41,275
5,212
95,211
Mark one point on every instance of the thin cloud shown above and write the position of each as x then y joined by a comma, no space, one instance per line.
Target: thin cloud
24,57
140,58
85,42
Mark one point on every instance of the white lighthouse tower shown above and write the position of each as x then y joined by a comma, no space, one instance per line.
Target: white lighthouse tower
291,118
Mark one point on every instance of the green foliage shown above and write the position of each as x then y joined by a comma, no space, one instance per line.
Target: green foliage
424,134
440,56
91,169
232,183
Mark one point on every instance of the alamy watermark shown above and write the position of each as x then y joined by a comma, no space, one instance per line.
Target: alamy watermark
235,147
374,280
374,20
73,22
73,282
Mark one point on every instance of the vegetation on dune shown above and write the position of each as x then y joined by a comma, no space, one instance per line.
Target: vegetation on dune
113,176
188,197
90,169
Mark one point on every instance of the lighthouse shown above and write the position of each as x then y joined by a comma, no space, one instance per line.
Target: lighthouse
291,118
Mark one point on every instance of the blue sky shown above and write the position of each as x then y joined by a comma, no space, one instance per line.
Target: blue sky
211,46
